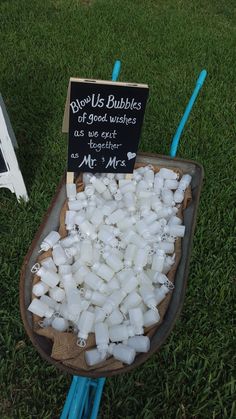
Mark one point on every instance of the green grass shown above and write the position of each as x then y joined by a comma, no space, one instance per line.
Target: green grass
164,43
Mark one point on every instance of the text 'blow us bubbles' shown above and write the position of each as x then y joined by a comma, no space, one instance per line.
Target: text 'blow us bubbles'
105,122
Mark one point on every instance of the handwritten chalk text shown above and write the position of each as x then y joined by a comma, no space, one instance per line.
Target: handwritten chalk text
108,145
96,101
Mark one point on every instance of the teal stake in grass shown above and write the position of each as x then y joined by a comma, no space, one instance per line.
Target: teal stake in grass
175,141
116,70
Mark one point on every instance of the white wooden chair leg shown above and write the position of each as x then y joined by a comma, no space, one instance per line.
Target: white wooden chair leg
12,177
19,187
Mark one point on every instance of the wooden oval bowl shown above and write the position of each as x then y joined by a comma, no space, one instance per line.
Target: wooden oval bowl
51,222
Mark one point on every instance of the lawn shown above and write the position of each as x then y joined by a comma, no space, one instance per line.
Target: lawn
165,43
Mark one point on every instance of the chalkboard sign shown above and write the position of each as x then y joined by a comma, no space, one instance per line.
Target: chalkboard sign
105,121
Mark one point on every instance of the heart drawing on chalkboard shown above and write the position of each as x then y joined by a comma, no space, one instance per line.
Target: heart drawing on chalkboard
131,155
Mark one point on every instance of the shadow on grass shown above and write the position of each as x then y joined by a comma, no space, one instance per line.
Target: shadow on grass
31,115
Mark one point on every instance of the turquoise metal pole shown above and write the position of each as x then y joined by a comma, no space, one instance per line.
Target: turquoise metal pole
78,401
69,398
98,395
175,141
116,70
